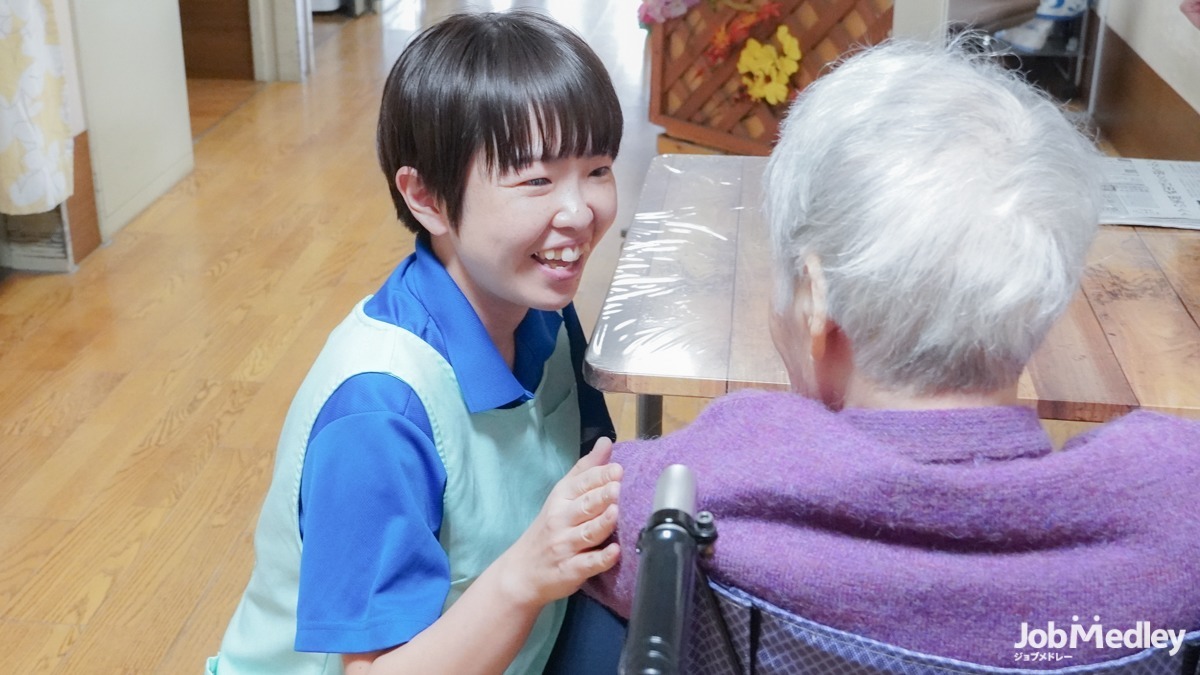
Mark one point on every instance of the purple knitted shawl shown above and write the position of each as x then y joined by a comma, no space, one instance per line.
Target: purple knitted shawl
940,531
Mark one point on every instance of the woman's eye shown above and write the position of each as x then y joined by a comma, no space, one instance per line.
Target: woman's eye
602,171
538,182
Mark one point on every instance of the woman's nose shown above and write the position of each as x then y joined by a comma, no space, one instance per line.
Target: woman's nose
573,211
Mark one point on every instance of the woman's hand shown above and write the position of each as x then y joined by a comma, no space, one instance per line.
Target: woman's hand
484,630
562,547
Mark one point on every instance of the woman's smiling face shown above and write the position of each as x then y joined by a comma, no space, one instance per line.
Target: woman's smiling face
525,234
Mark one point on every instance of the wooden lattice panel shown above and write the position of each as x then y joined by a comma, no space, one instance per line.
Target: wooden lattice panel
706,104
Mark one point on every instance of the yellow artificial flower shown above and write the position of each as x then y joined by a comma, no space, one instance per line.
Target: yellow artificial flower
790,45
765,71
755,57
756,88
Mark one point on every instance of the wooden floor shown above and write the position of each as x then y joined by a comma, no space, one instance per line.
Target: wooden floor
327,25
142,395
210,101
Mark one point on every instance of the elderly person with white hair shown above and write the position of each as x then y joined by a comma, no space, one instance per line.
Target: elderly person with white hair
930,214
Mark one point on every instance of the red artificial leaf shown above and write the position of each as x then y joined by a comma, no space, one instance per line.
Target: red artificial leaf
721,40
770,10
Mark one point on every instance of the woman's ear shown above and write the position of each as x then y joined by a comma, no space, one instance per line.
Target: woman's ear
424,206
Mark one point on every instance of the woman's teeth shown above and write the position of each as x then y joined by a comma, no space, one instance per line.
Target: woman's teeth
568,255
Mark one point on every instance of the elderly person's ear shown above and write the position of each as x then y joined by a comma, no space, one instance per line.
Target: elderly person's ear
800,329
817,312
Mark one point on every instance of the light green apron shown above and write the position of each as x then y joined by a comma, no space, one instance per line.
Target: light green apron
500,466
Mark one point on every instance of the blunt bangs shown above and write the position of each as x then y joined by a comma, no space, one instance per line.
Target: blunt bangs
541,102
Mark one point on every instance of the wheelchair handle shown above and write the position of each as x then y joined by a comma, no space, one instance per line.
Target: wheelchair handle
667,550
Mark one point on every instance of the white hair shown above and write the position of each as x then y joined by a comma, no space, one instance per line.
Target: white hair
950,204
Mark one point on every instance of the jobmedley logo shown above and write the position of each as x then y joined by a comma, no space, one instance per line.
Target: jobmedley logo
1141,636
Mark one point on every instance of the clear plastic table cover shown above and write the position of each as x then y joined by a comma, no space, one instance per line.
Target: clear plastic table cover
686,312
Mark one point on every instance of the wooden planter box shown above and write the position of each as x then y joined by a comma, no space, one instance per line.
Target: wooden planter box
705,104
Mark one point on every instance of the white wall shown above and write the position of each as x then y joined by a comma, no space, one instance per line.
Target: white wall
1164,38
135,101
920,19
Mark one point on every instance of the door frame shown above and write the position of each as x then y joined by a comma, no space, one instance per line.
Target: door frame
281,34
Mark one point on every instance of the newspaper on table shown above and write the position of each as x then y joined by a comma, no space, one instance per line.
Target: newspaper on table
1151,192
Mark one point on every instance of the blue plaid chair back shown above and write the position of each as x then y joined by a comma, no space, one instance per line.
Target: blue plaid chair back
758,638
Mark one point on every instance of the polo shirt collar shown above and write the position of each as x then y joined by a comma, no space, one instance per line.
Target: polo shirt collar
483,377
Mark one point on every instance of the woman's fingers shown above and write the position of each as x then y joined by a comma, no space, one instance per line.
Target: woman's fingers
579,489
568,540
594,502
591,563
600,454
594,531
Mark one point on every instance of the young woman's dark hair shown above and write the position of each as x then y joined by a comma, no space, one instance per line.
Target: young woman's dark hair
513,87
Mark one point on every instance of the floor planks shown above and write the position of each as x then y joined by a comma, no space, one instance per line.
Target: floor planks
209,101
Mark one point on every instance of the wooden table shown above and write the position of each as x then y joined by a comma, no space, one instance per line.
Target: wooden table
686,312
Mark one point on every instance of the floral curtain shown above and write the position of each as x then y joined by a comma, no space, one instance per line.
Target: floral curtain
36,167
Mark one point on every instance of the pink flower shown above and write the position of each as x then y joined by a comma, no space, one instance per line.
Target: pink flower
658,11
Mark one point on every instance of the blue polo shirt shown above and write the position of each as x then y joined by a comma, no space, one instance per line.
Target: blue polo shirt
373,573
